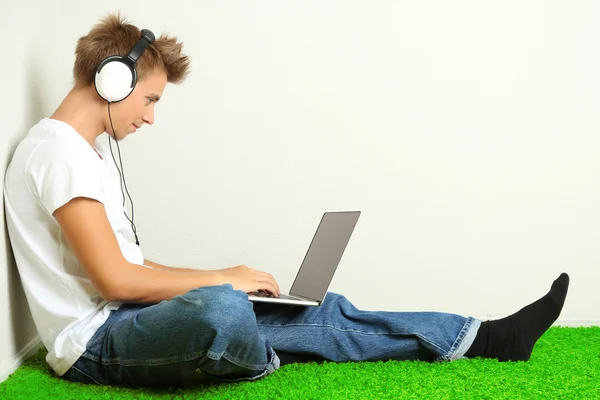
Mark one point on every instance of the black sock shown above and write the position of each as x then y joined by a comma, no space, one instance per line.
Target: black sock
512,338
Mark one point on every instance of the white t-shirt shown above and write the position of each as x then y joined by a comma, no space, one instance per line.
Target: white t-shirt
52,165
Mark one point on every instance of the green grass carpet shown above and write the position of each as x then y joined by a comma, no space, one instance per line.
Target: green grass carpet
565,364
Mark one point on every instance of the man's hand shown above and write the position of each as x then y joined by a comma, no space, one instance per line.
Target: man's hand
248,279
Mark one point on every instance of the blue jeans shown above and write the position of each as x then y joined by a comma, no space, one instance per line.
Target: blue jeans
217,330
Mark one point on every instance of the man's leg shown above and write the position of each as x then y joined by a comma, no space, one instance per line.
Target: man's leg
338,331
211,328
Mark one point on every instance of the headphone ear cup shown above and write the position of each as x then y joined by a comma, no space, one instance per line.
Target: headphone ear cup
114,79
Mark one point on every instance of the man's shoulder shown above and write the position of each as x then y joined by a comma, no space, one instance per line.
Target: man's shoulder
51,134
52,142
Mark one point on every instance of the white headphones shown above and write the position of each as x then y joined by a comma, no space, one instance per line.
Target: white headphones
116,76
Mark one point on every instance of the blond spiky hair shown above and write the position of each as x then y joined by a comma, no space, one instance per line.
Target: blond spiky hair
114,36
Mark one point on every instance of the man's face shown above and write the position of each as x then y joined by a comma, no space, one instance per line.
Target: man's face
137,109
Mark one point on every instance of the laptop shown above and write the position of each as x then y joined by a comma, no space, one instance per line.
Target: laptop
320,262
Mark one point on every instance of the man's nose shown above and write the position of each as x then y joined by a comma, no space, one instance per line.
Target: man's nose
149,118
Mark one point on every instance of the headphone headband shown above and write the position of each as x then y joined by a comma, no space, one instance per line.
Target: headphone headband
140,46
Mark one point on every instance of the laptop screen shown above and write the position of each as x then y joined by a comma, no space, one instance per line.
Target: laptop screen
324,254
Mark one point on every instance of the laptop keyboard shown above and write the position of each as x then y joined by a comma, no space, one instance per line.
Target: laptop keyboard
263,293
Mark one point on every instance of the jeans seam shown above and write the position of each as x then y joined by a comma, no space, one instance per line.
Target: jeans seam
83,373
239,363
154,361
90,356
355,331
429,342
175,359
328,326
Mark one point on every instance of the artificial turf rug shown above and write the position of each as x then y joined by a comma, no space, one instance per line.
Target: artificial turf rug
565,364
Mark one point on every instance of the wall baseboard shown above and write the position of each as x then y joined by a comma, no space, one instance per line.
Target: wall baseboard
32,347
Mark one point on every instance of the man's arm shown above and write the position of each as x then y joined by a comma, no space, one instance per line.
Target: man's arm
177,270
84,224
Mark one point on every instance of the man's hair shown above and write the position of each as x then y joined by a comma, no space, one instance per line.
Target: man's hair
114,36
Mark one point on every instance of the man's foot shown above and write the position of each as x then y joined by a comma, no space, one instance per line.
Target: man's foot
512,338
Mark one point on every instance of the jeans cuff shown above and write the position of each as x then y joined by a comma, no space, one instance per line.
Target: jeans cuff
463,342
271,367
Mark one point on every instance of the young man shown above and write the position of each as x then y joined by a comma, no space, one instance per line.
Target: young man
109,316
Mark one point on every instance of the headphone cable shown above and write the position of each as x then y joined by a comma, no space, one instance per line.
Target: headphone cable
122,181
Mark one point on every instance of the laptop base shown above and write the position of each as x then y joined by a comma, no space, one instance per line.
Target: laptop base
284,299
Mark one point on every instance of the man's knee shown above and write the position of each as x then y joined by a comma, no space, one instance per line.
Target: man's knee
220,310
335,302
337,299
225,318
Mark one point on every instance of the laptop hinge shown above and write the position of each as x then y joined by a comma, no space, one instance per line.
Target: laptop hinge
303,298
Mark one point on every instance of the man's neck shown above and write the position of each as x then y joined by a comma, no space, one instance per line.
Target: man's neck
82,109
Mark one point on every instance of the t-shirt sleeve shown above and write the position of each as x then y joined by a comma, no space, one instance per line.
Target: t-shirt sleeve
60,172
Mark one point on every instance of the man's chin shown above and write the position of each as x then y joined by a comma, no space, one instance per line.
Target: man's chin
119,137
